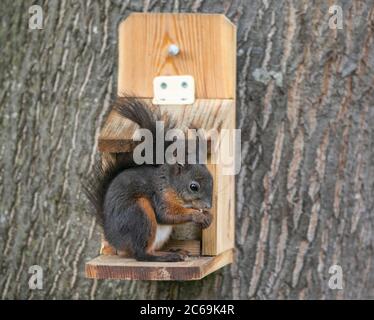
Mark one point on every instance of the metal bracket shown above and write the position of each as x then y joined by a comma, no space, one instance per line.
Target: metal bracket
173,90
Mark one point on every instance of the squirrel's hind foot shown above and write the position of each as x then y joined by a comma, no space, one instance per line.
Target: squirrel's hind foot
181,251
175,256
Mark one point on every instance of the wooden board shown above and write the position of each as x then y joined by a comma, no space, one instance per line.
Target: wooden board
195,268
116,134
220,235
207,45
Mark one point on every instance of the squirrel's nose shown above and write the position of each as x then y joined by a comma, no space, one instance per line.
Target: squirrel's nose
207,205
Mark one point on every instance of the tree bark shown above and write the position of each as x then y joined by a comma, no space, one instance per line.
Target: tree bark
305,107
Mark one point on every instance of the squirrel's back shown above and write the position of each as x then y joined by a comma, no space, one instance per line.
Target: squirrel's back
97,185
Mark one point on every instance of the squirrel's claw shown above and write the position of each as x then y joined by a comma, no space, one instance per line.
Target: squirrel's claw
183,252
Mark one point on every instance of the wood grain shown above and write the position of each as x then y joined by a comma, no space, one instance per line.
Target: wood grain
207,52
220,235
194,268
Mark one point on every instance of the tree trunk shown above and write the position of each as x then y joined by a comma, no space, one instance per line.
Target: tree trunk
305,106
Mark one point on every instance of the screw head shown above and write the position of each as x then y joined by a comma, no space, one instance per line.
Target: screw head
184,84
163,85
173,49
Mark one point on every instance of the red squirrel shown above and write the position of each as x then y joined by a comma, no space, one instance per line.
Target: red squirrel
137,205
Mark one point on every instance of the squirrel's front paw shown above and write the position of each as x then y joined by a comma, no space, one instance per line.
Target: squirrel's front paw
203,218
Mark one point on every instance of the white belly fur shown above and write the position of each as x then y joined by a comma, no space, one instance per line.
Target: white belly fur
162,235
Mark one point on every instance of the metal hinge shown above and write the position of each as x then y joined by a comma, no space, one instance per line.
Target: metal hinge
173,90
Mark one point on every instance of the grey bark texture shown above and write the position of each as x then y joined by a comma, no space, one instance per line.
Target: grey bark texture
305,106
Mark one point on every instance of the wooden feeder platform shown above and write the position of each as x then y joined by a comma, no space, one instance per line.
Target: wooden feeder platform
194,268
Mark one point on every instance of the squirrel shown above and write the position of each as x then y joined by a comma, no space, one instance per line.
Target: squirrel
137,205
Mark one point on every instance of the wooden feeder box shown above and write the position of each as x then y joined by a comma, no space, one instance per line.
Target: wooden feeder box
206,50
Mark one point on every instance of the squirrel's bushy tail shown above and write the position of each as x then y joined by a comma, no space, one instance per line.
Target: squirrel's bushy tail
96,186
143,115
138,112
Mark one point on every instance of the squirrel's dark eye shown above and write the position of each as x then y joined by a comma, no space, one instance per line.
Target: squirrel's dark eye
194,186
